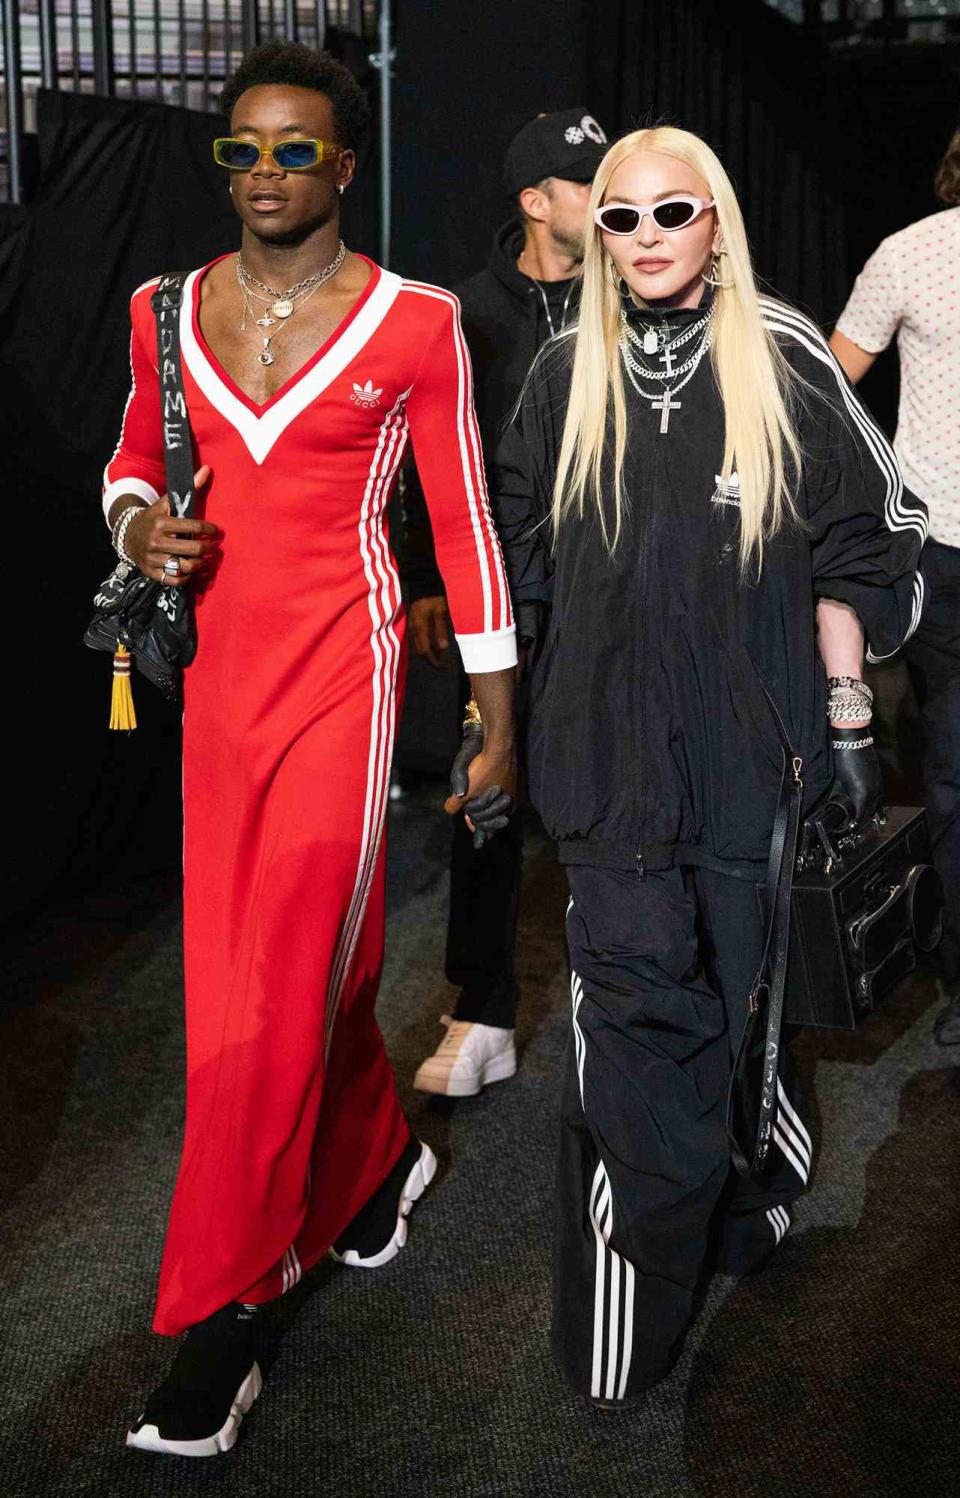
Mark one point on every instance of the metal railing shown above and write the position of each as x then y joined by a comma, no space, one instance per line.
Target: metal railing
175,51
919,19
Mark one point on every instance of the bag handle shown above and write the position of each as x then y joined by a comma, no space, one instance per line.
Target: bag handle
177,445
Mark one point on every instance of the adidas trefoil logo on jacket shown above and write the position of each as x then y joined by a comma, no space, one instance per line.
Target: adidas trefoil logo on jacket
727,492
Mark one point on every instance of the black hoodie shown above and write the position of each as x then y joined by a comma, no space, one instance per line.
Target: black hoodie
506,319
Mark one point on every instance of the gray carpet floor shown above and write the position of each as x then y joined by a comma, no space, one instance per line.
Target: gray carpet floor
834,1372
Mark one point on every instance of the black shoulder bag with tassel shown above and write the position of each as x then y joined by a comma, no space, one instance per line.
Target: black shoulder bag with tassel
752,1100
137,618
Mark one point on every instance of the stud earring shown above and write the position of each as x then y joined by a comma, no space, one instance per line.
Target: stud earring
340,188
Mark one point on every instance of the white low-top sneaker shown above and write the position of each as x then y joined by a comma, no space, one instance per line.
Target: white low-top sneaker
468,1057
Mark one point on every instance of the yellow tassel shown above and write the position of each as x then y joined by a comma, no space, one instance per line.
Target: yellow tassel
122,714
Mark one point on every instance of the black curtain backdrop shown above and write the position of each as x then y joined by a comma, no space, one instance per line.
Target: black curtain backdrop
126,190
748,81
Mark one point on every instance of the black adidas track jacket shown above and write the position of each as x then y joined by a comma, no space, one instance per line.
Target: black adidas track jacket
652,740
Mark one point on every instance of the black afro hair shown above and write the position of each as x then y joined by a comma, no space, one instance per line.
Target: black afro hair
293,63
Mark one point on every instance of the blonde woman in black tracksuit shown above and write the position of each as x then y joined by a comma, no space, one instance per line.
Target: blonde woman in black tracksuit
704,520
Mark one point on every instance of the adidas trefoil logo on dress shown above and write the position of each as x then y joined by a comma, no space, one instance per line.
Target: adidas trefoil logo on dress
727,492
366,396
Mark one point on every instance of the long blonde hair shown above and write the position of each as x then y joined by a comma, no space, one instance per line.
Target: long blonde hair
751,373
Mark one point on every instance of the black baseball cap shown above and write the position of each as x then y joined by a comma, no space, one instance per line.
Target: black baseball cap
567,144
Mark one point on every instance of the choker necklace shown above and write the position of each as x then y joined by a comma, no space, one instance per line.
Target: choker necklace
282,304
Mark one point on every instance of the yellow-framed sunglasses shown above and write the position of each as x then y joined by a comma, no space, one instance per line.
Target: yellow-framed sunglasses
289,155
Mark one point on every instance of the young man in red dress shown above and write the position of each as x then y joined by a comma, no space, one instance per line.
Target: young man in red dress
306,369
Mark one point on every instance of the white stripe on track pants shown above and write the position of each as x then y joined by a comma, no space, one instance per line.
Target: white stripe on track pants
660,972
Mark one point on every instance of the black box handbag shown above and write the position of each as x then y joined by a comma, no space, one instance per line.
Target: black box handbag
864,906
846,914
134,614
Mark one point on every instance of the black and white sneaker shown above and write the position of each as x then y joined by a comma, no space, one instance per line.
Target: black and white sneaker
198,1408
379,1230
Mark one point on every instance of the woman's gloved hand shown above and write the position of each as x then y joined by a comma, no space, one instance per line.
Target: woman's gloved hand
488,811
856,772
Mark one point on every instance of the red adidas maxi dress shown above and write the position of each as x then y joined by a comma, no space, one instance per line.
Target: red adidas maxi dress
289,716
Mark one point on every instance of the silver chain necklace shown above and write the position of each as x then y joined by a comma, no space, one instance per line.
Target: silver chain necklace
286,305
546,308
663,401
651,343
283,300
543,296
658,374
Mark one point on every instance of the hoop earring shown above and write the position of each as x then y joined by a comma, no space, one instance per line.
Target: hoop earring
712,275
340,188
618,283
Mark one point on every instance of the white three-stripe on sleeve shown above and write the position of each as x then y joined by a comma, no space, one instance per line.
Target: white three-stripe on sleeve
898,514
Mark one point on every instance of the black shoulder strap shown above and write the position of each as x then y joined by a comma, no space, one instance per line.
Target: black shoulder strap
177,447
778,894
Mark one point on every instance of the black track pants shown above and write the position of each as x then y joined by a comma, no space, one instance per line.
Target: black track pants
933,657
660,972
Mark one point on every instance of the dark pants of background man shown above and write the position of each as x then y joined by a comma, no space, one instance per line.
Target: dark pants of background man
932,655
482,926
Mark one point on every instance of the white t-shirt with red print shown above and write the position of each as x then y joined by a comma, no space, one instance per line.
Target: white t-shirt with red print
911,286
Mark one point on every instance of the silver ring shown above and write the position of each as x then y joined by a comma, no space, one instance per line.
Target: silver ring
172,566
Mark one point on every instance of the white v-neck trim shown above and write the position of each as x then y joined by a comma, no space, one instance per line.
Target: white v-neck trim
259,433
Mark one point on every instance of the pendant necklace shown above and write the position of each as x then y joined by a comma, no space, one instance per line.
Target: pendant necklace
283,304
654,342
663,400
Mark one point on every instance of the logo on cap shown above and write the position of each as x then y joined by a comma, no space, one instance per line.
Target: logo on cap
575,135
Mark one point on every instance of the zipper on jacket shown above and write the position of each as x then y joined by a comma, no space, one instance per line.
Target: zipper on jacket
641,871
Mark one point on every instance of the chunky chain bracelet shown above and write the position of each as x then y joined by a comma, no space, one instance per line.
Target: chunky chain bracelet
848,708
848,700
864,743
120,532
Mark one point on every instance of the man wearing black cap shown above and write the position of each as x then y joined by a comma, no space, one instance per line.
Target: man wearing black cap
528,292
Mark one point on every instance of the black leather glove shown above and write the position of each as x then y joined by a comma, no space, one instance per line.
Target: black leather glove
856,772
490,811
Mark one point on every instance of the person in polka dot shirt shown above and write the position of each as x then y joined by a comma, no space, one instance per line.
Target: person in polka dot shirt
910,287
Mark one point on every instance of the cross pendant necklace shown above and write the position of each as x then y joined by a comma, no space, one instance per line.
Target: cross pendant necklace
666,359
665,405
